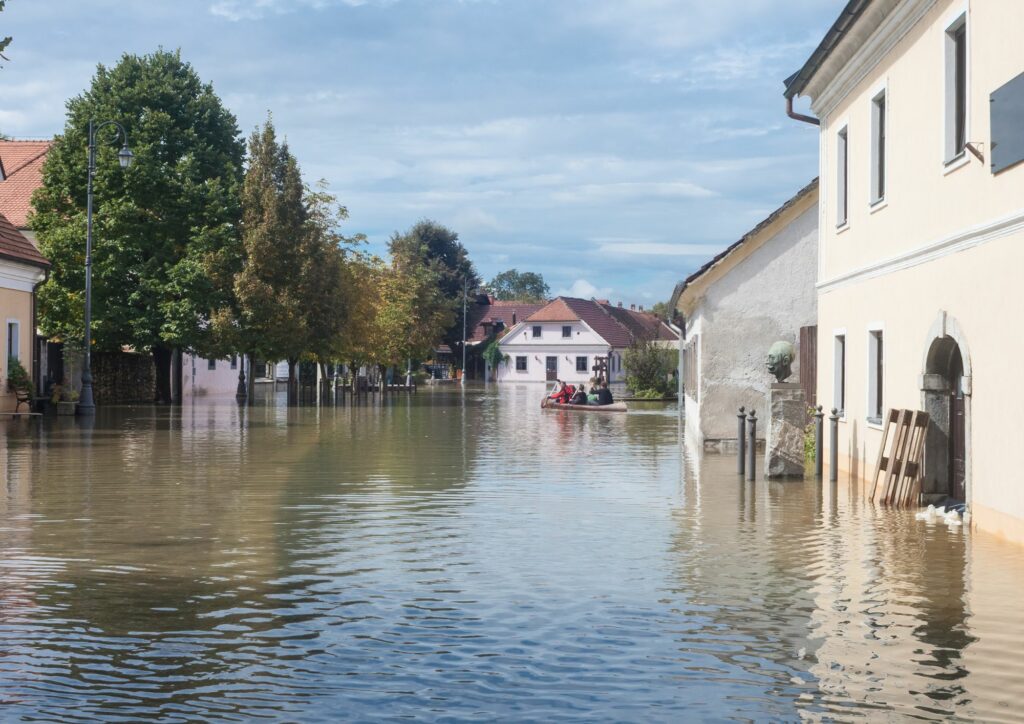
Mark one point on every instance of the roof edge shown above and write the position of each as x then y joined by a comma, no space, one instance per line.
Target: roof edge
848,17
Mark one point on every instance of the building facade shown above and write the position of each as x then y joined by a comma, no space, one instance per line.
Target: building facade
758,291
22,268
922,238
574,340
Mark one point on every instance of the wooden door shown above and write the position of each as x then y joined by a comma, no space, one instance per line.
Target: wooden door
551,365
957,431
809,364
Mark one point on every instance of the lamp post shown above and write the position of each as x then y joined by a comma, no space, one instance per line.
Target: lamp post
86,406
465,288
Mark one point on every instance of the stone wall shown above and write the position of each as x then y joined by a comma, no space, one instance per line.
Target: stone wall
122,377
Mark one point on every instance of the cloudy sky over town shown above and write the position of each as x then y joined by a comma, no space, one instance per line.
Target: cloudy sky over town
612,145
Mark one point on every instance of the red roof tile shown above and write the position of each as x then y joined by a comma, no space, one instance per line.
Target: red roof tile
618,327
481,317
642,324
557,310
23,173
14,245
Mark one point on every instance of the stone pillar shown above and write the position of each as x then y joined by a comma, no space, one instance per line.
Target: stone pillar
784,438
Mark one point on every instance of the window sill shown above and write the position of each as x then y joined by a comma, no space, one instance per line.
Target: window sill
878,205
958,161
875,423
845,226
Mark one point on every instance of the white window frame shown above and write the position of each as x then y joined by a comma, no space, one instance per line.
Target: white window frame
17,340
952,160
843,177
880,121
526,367
536,331
839,371
211,364
872,377
586,363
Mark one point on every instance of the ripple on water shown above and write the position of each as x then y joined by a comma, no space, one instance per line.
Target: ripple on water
472,557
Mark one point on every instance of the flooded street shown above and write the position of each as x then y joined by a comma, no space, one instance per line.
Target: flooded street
472,556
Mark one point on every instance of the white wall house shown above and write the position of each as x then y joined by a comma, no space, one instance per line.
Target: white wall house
921,142
566,338
757,291
202,377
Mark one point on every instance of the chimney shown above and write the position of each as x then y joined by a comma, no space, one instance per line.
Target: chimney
620,305
641,307
513,317
632,307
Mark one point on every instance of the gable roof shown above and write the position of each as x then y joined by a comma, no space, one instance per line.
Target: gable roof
14,246
617,326
481,318
810,188
22,174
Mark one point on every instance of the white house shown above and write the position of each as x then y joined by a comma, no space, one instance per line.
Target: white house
569,338
757,291
210,377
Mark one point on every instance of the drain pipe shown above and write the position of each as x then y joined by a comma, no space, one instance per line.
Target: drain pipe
681,333
799,116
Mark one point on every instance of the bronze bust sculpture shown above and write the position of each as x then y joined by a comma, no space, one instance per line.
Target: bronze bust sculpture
780,360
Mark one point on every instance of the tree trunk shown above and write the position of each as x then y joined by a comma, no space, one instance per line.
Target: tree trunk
324,382
177,376
162,362
251,382
292,382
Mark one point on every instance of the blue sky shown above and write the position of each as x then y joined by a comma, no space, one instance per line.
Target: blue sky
611,145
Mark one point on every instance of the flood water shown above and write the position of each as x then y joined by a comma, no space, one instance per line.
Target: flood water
470,556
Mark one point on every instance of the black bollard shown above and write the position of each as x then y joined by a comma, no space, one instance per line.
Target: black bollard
819,440
752,446
741,440
833,446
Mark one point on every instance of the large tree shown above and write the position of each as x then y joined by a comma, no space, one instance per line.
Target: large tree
526,286
270,304
437,248
4,41
165,235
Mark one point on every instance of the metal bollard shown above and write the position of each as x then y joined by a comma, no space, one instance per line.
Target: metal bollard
833,446
752,446
819,440
741,440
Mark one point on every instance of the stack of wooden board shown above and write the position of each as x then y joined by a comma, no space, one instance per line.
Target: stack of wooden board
900,459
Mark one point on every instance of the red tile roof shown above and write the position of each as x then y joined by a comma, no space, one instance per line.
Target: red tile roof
481,317
22,174
14,245
618,327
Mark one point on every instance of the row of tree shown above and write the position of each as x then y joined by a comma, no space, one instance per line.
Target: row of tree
206,246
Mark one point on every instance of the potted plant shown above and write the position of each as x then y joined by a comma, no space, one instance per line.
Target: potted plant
64,399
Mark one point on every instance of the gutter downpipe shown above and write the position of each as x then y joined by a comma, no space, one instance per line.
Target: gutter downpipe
37,368
799,116
680,332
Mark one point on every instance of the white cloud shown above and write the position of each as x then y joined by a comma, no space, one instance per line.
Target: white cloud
236,10
658,248
623,190
585,290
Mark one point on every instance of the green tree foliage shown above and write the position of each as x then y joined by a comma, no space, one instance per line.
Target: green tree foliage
526,286
165,235
438,248
661,311
649,368
4,41
271,319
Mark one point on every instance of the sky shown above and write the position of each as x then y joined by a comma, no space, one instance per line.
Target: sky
611,145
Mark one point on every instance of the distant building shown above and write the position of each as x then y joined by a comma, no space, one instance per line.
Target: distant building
22,267
487,319
569,338
921,108
21,173
203,377
757,291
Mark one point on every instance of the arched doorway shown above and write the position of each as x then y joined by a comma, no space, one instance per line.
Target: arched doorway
946,389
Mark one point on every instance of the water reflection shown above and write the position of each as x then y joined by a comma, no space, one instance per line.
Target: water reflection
470,556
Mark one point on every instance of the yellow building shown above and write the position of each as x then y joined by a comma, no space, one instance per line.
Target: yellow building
921,109
22,267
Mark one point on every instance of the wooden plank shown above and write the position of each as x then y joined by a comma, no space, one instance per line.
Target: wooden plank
895,458
809,363
883,460
903,480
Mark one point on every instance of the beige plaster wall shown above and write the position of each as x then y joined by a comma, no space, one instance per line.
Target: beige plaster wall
14,305
903,262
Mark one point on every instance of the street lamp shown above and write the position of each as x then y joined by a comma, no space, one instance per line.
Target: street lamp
465,284
86,406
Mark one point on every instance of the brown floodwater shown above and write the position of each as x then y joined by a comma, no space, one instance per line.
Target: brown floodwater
469,556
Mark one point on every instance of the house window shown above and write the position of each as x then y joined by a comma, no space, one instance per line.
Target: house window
14,340
566,331
842,175
234,362
878,123
839,380
520,364
956,88
581,364
536,331
691,385
211,364
876,377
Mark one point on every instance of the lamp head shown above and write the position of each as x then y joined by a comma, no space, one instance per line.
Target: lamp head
125,156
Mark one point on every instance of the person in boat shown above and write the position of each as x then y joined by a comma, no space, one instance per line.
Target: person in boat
604,395
561,394
579,397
